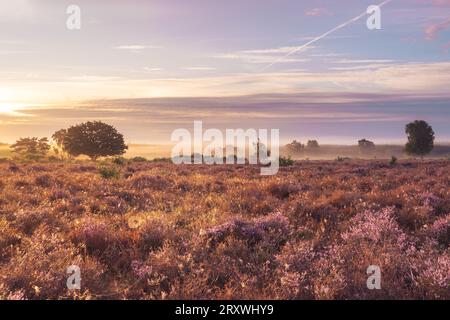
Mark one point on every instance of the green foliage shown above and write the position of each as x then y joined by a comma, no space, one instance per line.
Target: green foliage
109,172
393,161
286,161
120,161
94,139
31,148
58,137
420,138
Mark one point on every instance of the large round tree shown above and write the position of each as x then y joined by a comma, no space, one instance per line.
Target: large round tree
94,139
420,138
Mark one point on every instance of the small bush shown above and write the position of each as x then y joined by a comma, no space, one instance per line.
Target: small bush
281,190
109,173
43,181
393,161
95,235
120,161
153,234
286,161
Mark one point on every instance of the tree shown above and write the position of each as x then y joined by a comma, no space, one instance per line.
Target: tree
312,144
59,137
295,147
31,148
94,139
261,152
366,146
420,138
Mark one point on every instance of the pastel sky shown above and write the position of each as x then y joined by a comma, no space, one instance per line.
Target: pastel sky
150,67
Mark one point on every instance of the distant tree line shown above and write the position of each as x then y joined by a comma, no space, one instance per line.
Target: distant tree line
419,133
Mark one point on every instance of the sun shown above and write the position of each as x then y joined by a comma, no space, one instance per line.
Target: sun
7,109
11,109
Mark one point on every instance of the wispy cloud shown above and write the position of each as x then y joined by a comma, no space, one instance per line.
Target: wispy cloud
317,12
432,30
137,47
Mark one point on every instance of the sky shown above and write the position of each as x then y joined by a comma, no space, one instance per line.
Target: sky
150,67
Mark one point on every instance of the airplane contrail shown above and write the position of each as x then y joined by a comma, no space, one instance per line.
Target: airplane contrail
342,25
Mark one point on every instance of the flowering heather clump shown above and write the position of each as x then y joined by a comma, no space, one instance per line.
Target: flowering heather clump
161,231
38,270
376,227
95,235
153,234
435,276
273,229
440,231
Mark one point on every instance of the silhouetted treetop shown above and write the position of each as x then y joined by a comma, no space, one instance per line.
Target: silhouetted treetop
420,138
94,139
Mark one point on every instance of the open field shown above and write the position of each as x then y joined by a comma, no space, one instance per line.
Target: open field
160,231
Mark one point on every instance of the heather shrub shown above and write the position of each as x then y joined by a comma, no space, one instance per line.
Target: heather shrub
433,274
94,235
162,273
249,200
281,190
43,180
58,194
271,231
39,270
109,172
85,168
153,234
27,221
439,231
8,239
372,238
151,182
294,264
14,168
21,184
